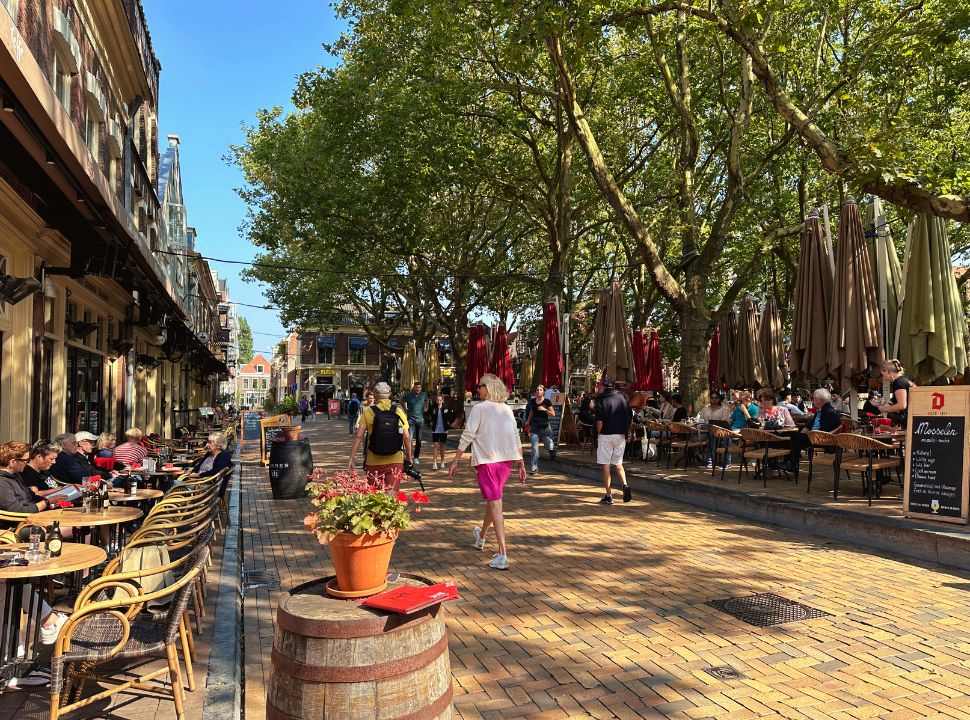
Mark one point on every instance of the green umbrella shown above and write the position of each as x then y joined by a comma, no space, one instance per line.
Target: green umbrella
889,273
931,332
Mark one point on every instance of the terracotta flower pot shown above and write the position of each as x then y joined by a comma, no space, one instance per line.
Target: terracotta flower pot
361,561
291,432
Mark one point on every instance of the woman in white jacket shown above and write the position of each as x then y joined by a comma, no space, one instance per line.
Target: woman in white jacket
491,432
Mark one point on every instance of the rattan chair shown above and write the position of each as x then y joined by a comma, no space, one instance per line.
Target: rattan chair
871,457
818,441
662,439
685,438
723,441
106,630
761,446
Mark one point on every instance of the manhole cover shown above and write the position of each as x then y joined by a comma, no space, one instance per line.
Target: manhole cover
724,672
253,579
766,609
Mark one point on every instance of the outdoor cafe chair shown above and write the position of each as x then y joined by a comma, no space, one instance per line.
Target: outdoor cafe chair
871,459
685,438
758,445
661,440
587,434
819,440
112,629
724,439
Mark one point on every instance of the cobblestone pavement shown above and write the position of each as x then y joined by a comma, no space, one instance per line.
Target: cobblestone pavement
603,613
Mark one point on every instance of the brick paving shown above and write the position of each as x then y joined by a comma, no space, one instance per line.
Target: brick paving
602,614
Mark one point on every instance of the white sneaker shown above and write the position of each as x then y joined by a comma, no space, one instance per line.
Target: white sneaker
434,466
49,633
499,562
479,543
417,461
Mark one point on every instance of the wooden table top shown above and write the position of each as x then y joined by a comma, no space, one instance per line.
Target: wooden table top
140,494
75,517
73,557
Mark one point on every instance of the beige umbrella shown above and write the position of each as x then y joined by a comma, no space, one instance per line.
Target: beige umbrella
750,360
813,302
409,366
772,344
432,370
854,338
525,373
727,362
611,349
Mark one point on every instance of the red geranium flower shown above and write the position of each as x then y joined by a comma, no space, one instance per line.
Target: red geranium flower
402,496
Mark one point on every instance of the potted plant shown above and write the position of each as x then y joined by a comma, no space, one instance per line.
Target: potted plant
289,406
359,522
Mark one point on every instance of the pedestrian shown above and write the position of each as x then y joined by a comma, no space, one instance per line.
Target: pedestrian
304,409
442,418
493,436
353,412
416,403
537,415
312,409
388,440
613,418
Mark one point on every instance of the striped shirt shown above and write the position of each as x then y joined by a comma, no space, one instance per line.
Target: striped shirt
129,453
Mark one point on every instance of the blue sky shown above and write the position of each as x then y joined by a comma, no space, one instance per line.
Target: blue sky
222,61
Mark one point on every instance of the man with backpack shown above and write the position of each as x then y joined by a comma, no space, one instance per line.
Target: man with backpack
388,440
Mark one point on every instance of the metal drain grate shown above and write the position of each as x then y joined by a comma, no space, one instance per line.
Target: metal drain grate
253,579
724,672
766,609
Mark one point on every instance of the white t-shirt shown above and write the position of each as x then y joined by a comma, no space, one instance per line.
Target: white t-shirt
491,432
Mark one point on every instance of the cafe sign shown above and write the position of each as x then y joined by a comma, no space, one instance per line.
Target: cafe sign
936,485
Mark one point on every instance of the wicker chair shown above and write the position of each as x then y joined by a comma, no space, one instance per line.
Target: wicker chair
819,439
662,439
101,631
685,438
723,440
758,445
871,457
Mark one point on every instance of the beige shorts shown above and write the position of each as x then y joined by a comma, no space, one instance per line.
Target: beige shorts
610,448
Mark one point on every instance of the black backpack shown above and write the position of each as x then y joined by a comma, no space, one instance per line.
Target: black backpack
386,437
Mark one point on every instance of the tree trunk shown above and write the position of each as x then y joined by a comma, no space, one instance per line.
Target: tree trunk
695,336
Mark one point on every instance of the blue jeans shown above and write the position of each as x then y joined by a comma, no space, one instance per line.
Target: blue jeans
546,435
352,420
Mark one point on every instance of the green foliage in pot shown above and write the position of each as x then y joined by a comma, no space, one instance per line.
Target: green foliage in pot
288,406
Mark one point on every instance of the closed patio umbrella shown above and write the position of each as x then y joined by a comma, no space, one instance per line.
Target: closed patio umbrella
854,337
639,360
552,367
501,360
655,376
750,358
772,344
713,357
932,342
476,360
813,303
526,373
727,361
889,273
409,366
611,350
432,369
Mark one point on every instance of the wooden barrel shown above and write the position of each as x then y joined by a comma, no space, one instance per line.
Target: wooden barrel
337,659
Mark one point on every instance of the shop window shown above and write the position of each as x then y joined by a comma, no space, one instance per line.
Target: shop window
84,381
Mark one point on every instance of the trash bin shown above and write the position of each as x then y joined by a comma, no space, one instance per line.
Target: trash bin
290,461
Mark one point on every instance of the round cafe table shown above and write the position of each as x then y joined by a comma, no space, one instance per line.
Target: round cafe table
114,515
140,495
14,579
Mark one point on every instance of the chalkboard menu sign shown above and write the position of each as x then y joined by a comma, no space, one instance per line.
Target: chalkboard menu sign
555,423
250,425
271,428
936,485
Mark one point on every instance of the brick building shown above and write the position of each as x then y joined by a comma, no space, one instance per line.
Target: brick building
253,381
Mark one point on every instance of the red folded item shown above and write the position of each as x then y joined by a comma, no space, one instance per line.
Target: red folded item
105,463
407,599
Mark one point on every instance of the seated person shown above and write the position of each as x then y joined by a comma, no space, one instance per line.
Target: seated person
826,419
716,413
680,413
786,401
105,445
743,411
774,417
216,458
131,452
36,475
14,495
72,465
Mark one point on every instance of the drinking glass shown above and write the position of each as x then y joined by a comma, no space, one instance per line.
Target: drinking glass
34,537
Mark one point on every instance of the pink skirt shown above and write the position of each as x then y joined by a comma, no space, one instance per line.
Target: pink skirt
492,477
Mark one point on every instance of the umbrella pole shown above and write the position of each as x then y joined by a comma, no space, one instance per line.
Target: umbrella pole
854,404
565,354
828,236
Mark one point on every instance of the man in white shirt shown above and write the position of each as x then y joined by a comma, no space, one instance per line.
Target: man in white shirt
714,412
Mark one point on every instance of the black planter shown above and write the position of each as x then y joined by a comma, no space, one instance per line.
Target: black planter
290,461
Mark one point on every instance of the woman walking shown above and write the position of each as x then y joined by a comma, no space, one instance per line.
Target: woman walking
491,433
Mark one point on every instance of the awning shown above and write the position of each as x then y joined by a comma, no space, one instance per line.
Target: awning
358,342
326,341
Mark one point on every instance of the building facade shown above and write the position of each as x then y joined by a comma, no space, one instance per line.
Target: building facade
253,381
97,331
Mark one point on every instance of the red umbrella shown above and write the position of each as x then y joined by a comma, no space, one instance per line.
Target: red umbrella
639,360
654,377
476,360
712,376
502,360
552,369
